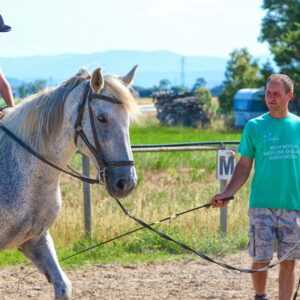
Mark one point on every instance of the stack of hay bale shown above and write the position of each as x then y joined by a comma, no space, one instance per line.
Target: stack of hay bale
182,109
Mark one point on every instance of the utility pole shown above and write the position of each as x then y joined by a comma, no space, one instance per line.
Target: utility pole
182,72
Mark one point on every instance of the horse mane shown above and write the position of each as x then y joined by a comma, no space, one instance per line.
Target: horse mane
123,94
38,119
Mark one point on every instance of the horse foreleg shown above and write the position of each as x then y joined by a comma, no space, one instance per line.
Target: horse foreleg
42,253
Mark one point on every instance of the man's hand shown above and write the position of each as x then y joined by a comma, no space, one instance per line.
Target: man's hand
239,177
218,200
1,115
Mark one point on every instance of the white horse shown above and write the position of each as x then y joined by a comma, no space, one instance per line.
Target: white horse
96,110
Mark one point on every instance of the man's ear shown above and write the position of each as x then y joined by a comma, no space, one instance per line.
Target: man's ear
291,95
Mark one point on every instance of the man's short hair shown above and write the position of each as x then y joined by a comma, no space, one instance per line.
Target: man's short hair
287,81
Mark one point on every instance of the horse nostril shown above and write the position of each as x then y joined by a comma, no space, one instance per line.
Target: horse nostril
121,184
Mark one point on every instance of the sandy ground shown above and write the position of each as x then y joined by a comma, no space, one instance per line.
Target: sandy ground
171,280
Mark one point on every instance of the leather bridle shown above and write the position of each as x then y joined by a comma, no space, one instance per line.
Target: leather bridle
96,150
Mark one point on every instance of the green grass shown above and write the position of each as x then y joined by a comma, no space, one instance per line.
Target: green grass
155,134
11,257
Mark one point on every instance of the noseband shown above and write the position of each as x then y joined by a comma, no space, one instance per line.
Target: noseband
96,150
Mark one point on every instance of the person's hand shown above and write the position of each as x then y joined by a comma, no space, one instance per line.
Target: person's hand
1,115
218,200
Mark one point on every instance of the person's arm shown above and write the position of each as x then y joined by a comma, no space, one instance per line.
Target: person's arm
239,177
6,91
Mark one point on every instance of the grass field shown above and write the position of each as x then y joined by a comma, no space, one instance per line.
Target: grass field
168,183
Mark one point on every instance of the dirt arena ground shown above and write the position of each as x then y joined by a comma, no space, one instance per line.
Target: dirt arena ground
171,280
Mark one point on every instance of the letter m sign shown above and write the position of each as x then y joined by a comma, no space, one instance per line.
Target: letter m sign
226,164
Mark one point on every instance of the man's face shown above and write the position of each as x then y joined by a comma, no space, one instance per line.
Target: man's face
276,97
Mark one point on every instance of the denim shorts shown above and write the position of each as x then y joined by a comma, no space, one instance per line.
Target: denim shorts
270,228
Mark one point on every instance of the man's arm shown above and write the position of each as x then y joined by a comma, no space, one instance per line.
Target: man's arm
6,91
239,177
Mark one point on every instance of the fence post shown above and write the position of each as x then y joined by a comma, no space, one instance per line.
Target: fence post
87,207
225,166
223,210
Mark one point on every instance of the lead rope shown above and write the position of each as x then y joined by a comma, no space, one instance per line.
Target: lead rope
202,255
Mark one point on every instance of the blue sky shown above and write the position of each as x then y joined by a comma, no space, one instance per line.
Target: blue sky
187,27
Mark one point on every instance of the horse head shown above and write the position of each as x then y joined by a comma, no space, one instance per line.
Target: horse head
102,129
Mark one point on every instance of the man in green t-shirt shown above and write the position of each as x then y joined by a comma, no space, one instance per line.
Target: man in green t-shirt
5,89
272,141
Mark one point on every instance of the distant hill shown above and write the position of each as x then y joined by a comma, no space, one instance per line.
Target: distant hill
153,66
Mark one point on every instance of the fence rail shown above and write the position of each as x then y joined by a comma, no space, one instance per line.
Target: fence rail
208,143
192,146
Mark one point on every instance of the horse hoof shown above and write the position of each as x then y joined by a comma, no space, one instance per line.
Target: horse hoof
63,291
67,296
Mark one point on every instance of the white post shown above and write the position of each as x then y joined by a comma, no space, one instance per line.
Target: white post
87,207
223,210
226,165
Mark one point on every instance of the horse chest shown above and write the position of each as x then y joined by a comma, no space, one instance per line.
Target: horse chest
20,228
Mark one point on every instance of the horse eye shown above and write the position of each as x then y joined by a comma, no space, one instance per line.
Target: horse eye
102,119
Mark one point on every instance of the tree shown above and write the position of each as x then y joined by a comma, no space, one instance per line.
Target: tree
36,86
241,72
30,88
177,89
264,73
204,97
200,82
164,84
22,90
143,92
281,29
217,90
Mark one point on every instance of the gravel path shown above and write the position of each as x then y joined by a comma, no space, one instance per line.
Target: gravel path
171,280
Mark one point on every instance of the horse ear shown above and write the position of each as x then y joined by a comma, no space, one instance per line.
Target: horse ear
128,78
97,81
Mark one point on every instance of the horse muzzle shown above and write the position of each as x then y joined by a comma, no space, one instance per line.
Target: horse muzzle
120,181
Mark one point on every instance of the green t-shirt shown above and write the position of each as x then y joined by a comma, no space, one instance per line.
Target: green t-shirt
274,144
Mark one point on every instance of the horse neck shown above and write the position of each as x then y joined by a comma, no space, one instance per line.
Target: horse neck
58,151
62,150
65,146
